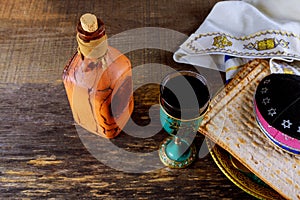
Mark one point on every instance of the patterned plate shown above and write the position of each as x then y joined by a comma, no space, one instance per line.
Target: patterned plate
246,181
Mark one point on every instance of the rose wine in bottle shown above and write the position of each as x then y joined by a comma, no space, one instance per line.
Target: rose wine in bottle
98,81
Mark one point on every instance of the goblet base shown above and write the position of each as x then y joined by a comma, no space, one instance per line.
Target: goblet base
177,153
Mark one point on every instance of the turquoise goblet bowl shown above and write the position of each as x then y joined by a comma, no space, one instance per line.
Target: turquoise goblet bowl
172,124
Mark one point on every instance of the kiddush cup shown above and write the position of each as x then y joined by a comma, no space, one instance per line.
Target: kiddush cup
184,98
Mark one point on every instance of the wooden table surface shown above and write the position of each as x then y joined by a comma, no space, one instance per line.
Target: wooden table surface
42,155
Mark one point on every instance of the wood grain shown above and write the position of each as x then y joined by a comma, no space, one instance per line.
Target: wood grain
41,153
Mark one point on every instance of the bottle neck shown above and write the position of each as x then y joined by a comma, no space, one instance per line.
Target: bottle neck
92,45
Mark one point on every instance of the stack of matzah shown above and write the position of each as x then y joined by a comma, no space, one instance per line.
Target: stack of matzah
230,122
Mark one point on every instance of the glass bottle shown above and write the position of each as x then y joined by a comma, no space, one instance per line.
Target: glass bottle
98,81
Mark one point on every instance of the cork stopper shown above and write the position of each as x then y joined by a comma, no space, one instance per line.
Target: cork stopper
89,22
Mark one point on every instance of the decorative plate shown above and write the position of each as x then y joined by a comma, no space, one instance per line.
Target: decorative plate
247,181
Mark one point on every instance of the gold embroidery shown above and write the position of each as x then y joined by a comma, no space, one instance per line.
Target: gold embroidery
213,48
266,44
288,71
221,42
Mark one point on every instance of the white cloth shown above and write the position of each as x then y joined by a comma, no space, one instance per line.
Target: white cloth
244,29
284,67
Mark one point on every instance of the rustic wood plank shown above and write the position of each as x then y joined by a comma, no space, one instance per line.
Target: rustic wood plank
38,37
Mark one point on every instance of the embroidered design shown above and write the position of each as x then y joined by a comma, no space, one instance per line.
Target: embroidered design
264,90
272,112
267,81
195,44
286,123
266,100
221,42
284,68
266,44
288,71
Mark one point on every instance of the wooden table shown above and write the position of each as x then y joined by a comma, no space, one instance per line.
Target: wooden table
41,153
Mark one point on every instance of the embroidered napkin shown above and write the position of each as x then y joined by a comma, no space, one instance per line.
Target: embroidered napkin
236,32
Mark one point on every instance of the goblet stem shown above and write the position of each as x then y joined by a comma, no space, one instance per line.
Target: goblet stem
177,150
177,140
